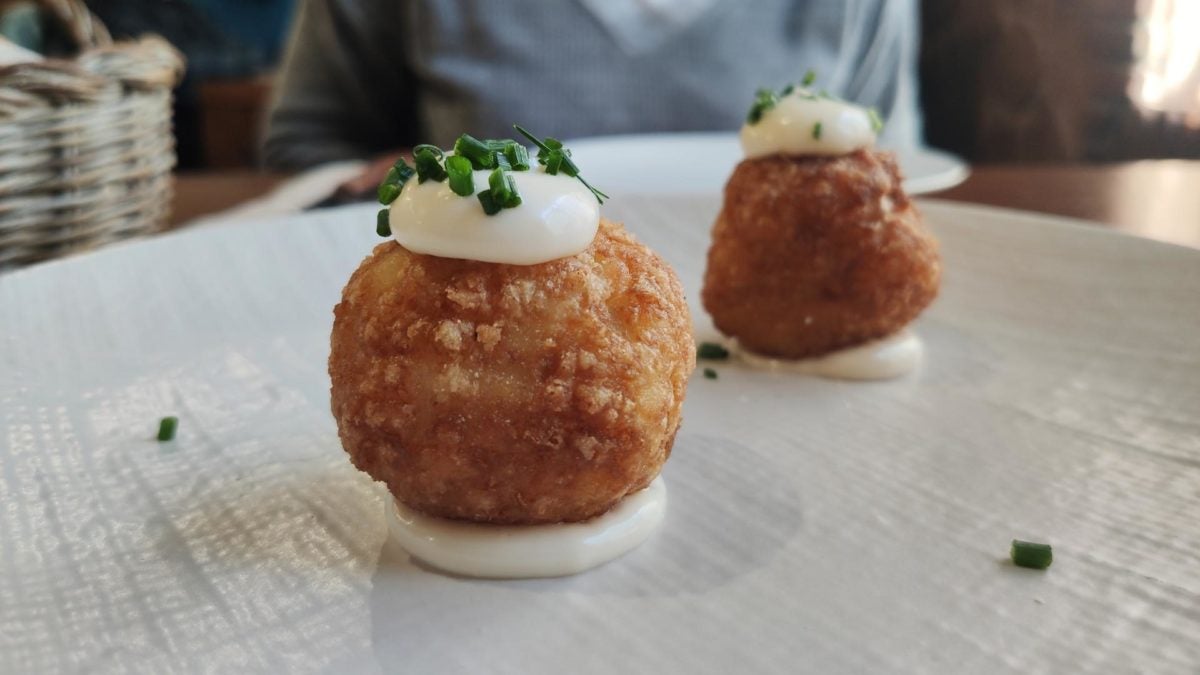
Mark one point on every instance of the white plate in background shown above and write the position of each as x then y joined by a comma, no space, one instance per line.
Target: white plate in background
669,163
813,526
700,163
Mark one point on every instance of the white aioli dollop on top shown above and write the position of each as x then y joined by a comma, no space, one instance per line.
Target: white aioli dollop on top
882,359
790,127
531,551
558,217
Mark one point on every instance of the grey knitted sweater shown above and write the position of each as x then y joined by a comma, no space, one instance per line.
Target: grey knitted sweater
365,76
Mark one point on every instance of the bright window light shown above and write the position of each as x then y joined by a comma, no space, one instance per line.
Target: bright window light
1167,77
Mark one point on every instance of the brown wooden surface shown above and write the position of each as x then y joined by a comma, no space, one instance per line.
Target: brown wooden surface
1158,199
207,192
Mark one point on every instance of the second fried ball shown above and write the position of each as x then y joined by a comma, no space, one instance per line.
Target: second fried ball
813,254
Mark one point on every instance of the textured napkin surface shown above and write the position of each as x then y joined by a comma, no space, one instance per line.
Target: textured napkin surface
813,525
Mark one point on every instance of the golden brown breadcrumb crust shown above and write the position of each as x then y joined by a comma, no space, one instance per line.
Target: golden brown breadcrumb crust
507,393
813,254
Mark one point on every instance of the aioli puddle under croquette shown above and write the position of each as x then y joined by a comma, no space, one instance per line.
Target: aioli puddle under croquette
512,394
811,254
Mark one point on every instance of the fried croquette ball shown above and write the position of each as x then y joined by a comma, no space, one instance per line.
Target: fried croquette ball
512,394
813,254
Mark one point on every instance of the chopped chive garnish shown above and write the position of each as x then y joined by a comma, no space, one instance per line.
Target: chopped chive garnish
438,152
710,374
541,144
876,120
568,165
502,192
500,156
551,152
764,100
388,192
512,198
499,186
403,171
428,166
462,181
383,224
1032,555
489,203
600,196
166,428
496,182
478,152
394,181
517,156
712,351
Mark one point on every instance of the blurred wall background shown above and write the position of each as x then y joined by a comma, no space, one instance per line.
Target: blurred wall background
1002,80
1062,80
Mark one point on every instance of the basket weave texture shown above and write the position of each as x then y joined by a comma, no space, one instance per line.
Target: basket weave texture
86,149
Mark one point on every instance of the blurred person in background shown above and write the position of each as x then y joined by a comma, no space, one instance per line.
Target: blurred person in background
369,78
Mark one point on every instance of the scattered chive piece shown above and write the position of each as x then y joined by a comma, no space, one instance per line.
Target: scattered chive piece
876,120
166,428
403,171
710,374
712,351
462,181
428,166
1032,555
787,90
431,148
503,189
498,146
817,131
600,196
517,156
383,225
394,181
512,198
481,155
568,165
764,100
809,77
551,150
489,203
388,192
496,182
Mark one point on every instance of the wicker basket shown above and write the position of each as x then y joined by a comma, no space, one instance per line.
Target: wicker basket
86,149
